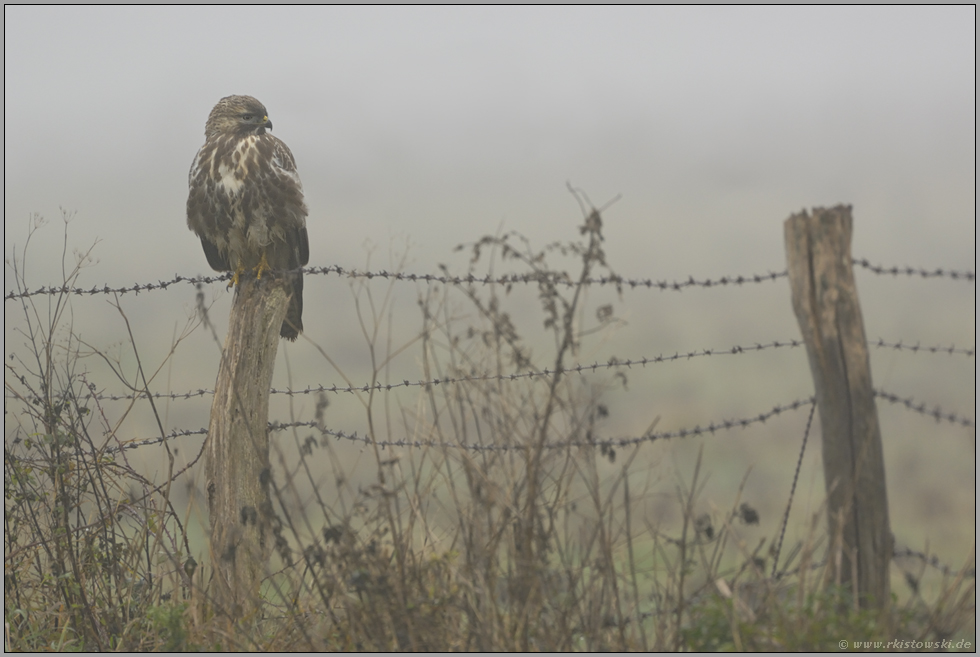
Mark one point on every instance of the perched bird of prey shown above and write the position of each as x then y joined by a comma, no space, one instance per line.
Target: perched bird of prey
246,200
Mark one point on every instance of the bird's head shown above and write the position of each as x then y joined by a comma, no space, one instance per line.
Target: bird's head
238,115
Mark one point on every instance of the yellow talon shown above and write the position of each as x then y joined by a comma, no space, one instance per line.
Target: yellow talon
262,266
235,276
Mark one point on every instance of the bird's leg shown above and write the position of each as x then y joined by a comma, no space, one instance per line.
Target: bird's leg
239,270
262,266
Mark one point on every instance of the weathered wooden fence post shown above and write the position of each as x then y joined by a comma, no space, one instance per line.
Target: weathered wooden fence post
238,476
818,252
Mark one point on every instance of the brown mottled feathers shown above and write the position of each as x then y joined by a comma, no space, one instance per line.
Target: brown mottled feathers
246,199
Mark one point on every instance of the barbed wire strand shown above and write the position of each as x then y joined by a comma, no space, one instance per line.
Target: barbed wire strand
939,272
917,347
898,553
712,428
580,369
935,413
508,279
469,279
385,387
792,490
933,561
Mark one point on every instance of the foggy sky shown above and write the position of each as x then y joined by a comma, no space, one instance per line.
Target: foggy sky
439,124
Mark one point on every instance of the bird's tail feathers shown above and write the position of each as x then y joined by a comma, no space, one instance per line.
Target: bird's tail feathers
292,326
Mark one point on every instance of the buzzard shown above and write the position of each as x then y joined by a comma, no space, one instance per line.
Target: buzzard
246,200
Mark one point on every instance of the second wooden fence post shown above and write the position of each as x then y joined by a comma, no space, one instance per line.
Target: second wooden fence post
818,252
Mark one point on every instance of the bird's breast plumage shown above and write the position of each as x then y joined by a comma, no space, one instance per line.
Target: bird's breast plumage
247,199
